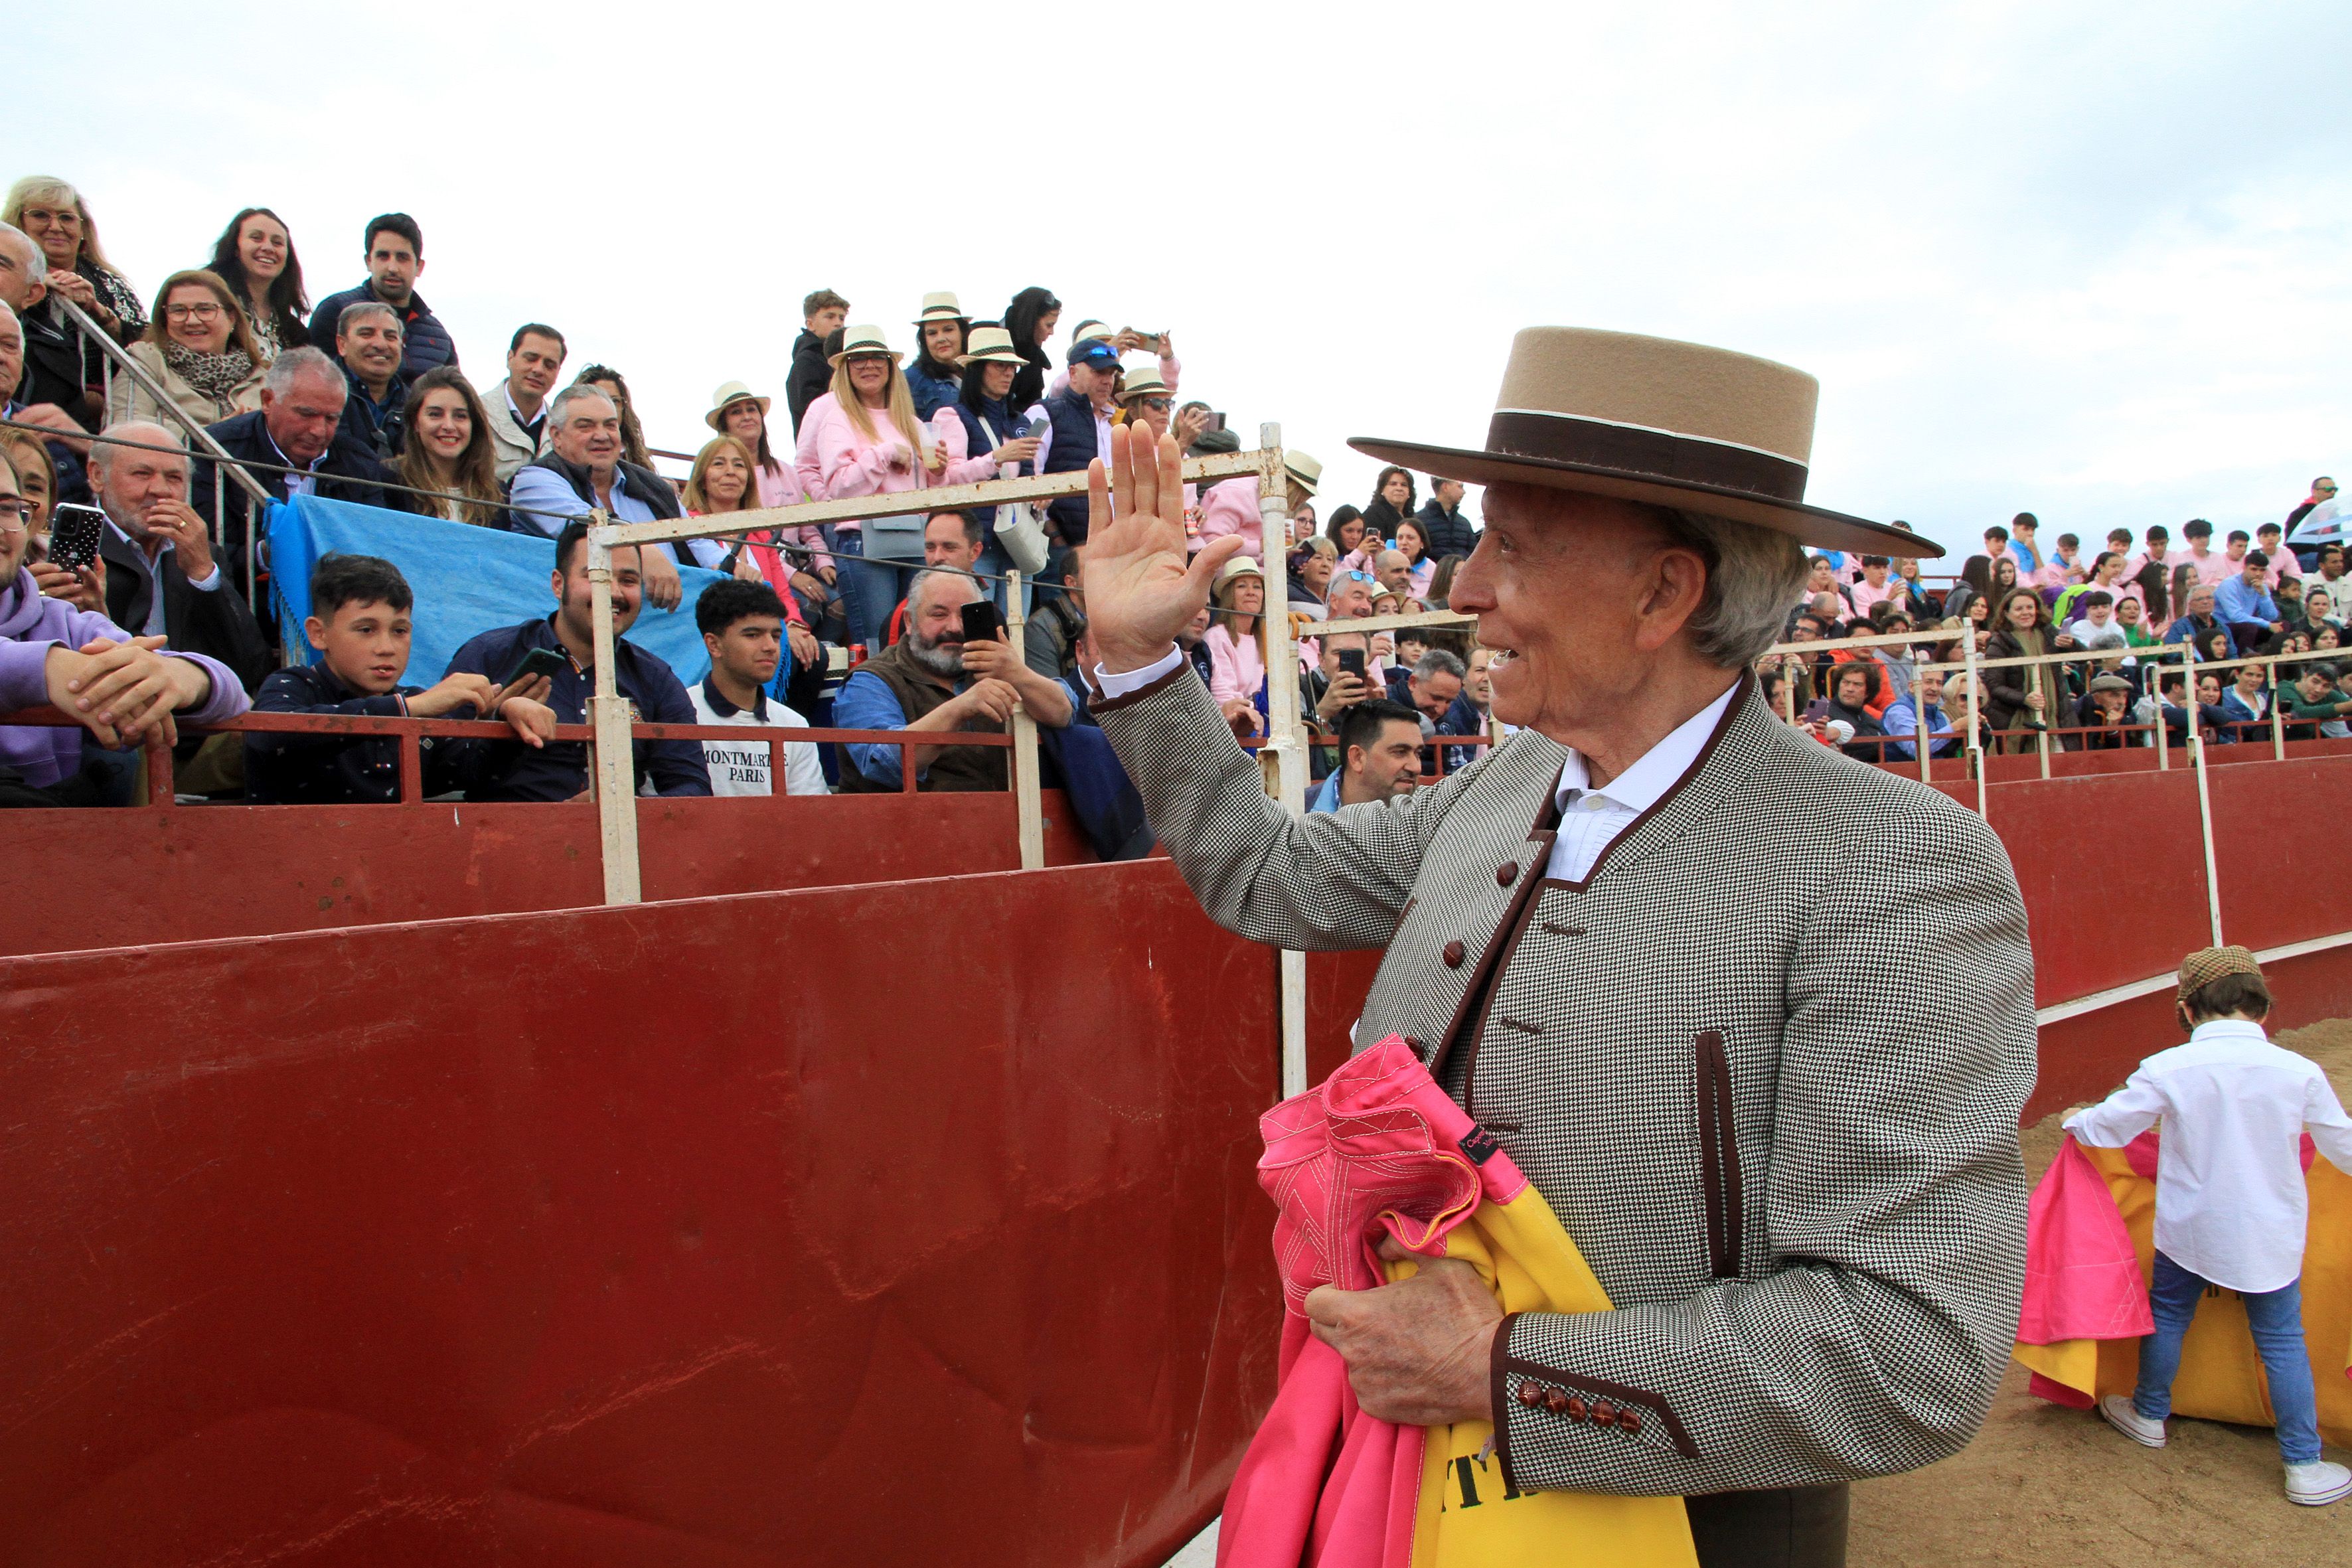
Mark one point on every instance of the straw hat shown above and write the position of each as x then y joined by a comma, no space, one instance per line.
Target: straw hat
941,307
730,392
1239,566
1140,377
865,341
991,344
1304,469
1651,419
1091,329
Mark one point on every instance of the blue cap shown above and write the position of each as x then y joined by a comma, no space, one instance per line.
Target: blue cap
1095,352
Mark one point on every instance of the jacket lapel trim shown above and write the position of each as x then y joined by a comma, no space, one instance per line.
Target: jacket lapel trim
1540,837
1733,712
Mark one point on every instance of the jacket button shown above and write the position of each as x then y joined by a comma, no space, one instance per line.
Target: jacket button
1604,1412
1572,1406
1628,1419
1529,1394
1419,1050
1506,873
1455,954
1559,1404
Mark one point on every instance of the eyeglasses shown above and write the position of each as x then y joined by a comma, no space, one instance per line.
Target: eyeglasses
16,516
1158,405
192,312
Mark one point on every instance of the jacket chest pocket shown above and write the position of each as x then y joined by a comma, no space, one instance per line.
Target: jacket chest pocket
1718,1153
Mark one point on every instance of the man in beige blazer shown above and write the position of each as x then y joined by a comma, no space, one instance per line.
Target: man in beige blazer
1777,1112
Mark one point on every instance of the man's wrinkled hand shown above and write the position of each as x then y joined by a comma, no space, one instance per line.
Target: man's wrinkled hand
1417,1351
1140,588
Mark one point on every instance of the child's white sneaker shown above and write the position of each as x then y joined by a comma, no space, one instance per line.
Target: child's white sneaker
2317,1482
2125,1417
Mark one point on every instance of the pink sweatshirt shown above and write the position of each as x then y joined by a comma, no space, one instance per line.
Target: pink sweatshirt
1236,668
1231,507
848,464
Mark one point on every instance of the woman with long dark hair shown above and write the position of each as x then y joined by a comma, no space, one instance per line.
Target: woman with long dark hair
255,256
448,451
1393,502
1031,319
1346,531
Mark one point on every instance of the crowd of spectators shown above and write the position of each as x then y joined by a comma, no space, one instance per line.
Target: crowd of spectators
876,625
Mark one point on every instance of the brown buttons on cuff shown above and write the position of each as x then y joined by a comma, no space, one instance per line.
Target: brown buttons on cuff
1506,873
1604,1412
1628,1419
1572,1407
1529,1394
1558,1404
1455,954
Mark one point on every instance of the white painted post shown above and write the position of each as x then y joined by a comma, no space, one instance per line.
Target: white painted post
615,771
1029,813
2278,719
2205,826
1919,719
1976,720
1284,760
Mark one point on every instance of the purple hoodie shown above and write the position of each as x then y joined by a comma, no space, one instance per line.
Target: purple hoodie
29,623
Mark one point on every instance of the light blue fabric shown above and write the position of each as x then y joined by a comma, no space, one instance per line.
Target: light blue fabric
466,580
865,702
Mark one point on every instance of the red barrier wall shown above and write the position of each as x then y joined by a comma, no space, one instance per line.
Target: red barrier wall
789,1228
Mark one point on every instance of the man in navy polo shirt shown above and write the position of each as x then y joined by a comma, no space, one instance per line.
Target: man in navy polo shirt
560,770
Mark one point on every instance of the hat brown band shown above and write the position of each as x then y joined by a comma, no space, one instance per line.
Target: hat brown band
1650,454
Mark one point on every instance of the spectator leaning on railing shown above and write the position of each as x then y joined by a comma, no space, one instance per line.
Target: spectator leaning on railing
162,578
932,682
394,252
559,771
362,626
1379,757
118,687
584,472
1902,719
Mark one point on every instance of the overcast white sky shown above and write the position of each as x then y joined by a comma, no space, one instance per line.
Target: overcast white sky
2087,260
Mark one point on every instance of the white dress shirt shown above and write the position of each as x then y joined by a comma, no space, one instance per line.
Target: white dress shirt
2231,1206
210,582
1590,819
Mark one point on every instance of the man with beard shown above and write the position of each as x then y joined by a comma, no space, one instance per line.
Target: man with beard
559,771
932,680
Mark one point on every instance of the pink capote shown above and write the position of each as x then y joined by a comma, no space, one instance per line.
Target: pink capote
1376,1148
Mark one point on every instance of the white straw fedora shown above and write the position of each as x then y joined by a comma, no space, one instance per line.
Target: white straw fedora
991,344
941,307
865,341
1140,377
1239,566
1091,329
1651,419
1303,468
730,392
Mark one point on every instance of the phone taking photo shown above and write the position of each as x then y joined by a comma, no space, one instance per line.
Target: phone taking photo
981,620
539,661
74,534
1351,662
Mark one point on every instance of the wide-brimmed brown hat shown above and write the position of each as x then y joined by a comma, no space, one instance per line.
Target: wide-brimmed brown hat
1651,419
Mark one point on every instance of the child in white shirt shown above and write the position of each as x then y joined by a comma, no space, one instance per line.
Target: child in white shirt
2231,1204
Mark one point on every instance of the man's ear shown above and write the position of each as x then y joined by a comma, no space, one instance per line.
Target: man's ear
555,584
40,292
315,630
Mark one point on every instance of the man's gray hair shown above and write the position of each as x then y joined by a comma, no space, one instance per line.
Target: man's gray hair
920,586
132,433
294,362
368,307
37,270
559,407
1437,661
1753,574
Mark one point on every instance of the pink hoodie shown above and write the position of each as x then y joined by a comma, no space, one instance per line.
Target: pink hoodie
848,464
1236,668
1231,507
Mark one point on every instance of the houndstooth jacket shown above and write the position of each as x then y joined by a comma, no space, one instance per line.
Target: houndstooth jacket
1766,1063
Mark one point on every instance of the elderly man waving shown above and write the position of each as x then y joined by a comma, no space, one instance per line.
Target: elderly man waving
1798,1186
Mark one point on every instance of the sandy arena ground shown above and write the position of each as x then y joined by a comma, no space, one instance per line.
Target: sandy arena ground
2044,1486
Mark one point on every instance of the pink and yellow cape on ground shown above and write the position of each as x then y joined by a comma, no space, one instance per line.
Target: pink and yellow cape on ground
2087,1262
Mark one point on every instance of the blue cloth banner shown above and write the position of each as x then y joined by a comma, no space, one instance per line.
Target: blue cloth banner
467,581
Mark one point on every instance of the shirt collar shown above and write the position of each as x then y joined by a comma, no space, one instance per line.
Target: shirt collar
2228,1029
507,388
1658,770
287,461
726,710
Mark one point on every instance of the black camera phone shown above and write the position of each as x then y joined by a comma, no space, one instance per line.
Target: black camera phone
1351,662
981,620
73,535
547,661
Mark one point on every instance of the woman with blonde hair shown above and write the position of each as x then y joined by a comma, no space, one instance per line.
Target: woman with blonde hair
867,442
1236,644
200,349
449,451
723,480
54,214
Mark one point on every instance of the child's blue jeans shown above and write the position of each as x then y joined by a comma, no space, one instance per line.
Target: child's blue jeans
2276,1319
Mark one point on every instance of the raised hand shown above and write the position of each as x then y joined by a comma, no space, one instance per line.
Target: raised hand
1140,590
